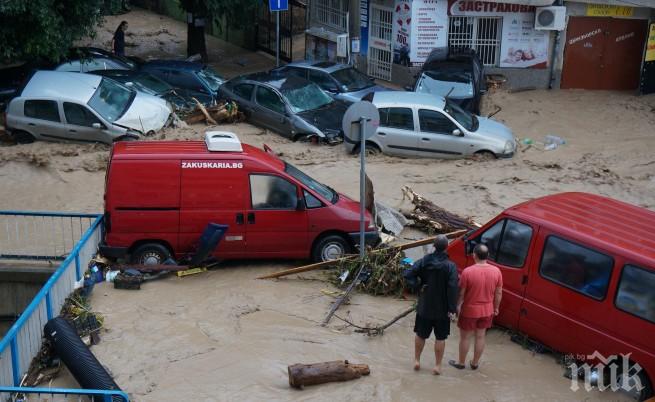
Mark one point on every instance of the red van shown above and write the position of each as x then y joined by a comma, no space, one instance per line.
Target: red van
160,196
579,276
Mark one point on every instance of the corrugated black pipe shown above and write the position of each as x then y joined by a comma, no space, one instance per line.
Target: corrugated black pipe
82,364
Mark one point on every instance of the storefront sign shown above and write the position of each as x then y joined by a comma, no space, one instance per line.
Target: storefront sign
429,28
484,8
521,45
363,26
402,28
605,10
650,44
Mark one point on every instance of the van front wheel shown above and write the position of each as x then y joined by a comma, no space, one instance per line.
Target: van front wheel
150,254
330,248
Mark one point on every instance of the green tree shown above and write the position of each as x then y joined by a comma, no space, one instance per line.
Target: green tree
44,29
233,12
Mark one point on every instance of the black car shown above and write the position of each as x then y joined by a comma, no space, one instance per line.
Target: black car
186,75
455,74
292,106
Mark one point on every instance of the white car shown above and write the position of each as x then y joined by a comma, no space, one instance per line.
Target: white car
415,124
65,106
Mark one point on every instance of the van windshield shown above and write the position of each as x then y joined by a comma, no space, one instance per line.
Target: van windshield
325,191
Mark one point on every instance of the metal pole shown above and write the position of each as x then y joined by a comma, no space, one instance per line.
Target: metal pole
277,39
362,189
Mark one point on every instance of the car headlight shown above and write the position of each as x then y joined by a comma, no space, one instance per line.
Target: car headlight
509,147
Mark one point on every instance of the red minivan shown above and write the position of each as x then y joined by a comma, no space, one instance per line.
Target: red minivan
579,276
160,196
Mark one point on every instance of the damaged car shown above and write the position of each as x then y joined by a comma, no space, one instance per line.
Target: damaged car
63,106
292,106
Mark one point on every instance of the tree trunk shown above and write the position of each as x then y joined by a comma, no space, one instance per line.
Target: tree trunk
320,373
196,36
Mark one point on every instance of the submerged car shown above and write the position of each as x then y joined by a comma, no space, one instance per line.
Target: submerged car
341,81
457,76
198,79
55,106
413,124
291,106
148,83
86,59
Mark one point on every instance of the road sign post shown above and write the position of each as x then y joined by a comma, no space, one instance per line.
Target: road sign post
275,6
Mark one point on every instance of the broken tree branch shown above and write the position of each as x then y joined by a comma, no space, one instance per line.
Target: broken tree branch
432,218
208,118
379,330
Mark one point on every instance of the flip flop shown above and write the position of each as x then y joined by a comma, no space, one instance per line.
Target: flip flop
474,366
456,365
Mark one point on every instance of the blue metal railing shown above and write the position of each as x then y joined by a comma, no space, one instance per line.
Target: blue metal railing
23,340
108,396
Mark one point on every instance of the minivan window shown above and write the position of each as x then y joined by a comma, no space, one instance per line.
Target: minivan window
42,109
635,294
272,192
111,100
435,122
397,117
576,267
79,115
325,191
508,242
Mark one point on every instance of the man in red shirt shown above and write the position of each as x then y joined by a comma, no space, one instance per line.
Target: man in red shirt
480,291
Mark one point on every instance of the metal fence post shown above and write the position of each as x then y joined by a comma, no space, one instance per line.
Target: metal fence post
15,361
48,305
77,266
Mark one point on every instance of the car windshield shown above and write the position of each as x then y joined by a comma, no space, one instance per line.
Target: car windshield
325,191
306,97
211,78
111,100
463,117
454,84
153,83
351,80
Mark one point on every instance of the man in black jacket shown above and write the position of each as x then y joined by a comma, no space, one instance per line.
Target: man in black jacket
435,276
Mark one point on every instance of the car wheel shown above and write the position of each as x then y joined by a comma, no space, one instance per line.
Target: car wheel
330,247
371,149
484,156
126,138
23,137
150,254
644,393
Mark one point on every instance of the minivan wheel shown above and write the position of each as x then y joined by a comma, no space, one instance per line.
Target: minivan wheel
640,395
150,254
23,137
330,248
484,156
371,150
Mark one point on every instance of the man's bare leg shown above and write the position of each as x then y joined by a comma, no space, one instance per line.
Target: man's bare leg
419,343
464,344
439,348
479,346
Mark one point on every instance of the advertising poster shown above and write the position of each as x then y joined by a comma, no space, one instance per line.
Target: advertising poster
363,27
522,46
430,28
402,29
650,44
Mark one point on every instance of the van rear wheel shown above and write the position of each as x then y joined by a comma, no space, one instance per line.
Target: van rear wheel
150,254
23,137
330,247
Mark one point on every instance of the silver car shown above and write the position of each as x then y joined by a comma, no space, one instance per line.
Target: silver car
64,106
414,124
341,81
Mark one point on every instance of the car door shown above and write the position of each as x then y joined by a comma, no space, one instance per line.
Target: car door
83,125
396,135
437,138
269,110
42,118
509,241
242,94
275,226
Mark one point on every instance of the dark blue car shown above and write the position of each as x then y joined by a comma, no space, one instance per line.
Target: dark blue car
187,75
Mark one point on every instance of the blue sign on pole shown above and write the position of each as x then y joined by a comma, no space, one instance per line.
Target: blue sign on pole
278,5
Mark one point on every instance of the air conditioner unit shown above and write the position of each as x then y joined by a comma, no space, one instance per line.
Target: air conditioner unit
222,141
550,18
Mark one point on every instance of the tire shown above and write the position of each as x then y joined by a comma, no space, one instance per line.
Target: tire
23,137
150,254
330,247
484,156
126,138
371,149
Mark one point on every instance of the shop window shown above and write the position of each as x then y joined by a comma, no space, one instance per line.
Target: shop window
508,242
272,192
576,267
397,117
42,109
635,294
435,122
482,34
79,115
331,13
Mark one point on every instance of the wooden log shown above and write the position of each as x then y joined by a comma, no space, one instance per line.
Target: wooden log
430,217
312,267
320,373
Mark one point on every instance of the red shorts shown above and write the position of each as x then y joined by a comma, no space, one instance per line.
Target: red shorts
471,324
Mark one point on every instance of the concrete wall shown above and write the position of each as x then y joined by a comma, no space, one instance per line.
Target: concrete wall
18,286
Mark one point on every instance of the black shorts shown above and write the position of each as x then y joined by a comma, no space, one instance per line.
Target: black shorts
423,327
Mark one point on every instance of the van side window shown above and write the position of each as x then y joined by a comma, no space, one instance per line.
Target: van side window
635,294
311,201
42,109
272,192
508,242
576,267
397,117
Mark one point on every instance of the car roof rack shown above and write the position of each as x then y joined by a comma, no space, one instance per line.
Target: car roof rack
222,141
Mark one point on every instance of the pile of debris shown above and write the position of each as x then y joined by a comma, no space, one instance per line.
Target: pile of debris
382,275
433,219
221,113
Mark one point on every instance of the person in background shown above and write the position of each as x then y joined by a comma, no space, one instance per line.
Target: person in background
436,278
480,291
118,41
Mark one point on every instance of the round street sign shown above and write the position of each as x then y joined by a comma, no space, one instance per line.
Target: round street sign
354,115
